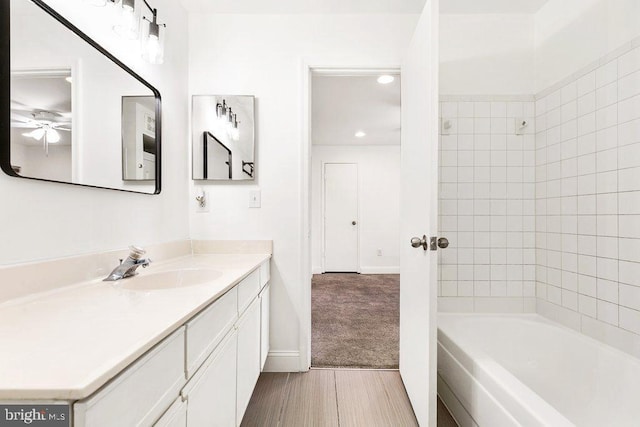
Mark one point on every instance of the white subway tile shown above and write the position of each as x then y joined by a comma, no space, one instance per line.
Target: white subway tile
570,300
607,291
465,142
465,109
482,109
629,156
607,74
587,285
482,288
629,132
482,126
569,92
498,109
629,179
587,144
607,95
630,320
629,62
587,306
607,182
607,225
630,226
498,125
586,84
586,104
630,272
629,296
587,124
449,288
465,126
605,160
628,250
607,117
607,312
515,109
629,109
629,86
449,109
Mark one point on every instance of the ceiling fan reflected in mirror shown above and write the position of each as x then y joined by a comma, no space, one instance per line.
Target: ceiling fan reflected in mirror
45,127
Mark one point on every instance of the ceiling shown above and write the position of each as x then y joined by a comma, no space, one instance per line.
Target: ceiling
359,6
304,6
491,6
343,105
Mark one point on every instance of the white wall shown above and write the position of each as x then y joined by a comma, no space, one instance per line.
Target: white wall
571,34
485,54
378,204
263,55
45,220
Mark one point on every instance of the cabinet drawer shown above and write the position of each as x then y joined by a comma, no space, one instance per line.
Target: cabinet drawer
265,273
142,392
248,289
248,356
265,301
206,330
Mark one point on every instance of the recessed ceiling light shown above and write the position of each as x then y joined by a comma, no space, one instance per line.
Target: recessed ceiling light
385,79
360,134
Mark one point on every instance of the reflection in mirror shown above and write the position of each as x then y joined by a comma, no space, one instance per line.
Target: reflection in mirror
41,132
77,114
138,138
223,138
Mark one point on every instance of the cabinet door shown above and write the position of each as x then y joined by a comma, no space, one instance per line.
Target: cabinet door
265,299
211,393
176,415
248,356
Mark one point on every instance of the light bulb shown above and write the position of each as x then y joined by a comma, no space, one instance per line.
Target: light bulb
53,136
153,49
128,26
235,134
385,79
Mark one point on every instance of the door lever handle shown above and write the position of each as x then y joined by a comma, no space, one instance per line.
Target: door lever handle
416,242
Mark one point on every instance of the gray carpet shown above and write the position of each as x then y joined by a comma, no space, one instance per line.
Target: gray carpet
355,320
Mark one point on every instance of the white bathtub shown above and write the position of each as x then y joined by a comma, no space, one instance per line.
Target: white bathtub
510,370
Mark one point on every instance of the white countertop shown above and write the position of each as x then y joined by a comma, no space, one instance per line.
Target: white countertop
67,343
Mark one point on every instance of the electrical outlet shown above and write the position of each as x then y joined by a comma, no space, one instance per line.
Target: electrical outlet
379,252
202,201
254,199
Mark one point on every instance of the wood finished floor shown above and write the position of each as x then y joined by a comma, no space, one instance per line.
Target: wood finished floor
322,397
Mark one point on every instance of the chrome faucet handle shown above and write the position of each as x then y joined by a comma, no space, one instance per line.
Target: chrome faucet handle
136,252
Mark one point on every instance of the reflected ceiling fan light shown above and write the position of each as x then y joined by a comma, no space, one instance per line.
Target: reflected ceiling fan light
386,79
360,134
53,136
35,134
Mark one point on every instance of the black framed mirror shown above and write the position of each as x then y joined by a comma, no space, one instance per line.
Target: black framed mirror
70,112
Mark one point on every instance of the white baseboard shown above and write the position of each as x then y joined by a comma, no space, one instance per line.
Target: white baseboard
282,361
379,270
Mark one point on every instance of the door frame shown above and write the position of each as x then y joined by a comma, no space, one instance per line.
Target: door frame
334,67
323,212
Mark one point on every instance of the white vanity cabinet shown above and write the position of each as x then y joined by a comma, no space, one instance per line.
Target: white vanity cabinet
211,394
248,356
140,394
201,375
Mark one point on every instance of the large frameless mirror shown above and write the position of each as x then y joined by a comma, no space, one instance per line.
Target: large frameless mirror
75,113
223,138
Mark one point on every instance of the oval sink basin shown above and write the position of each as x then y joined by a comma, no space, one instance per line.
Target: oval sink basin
171,279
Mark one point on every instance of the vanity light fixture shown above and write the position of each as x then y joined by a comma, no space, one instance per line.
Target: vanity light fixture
96,2
385,79
235,133
152,37
127,23
360,134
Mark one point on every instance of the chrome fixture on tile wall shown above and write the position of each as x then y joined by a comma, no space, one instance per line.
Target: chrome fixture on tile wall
130,25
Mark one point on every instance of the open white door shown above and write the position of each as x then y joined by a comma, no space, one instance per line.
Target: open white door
419,208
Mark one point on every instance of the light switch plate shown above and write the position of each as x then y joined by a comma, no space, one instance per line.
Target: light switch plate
254,199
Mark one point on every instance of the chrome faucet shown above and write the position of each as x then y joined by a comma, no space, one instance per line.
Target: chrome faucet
128,267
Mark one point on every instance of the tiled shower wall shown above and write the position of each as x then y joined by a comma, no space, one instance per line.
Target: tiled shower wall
487,207
588,200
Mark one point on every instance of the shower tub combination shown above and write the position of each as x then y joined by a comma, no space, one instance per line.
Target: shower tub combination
524,370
